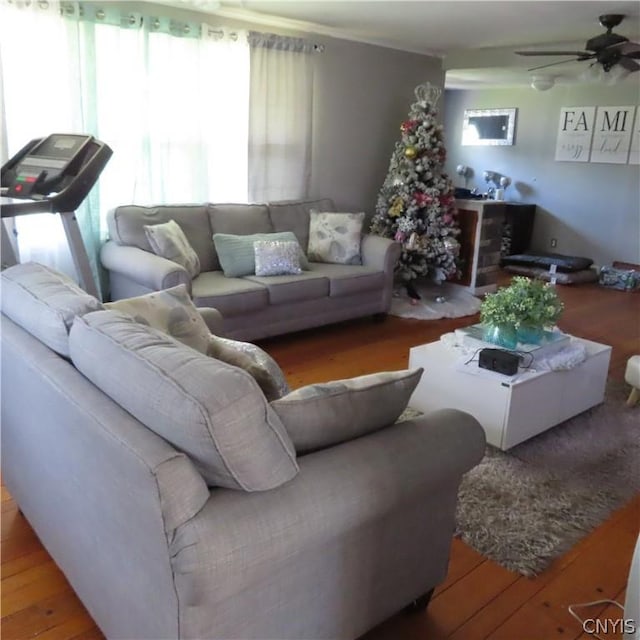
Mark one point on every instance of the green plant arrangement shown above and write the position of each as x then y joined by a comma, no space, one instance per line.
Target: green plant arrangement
524,308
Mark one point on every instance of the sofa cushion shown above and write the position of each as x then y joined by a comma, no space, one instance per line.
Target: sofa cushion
213,412
254,360
322,415
293,215
170,311
239,219
346,280
44,302
126,226
277,257
230,296
286,289
168,241
335,237
236,253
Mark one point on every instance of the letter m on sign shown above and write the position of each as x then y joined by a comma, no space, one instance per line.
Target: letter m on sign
614,120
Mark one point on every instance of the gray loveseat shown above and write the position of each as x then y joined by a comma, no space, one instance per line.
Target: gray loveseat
253,307
152,544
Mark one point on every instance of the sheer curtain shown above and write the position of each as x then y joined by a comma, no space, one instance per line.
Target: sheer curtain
175,111
41,96
170,98
280,117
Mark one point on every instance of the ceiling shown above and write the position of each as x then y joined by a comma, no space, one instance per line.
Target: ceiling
476,40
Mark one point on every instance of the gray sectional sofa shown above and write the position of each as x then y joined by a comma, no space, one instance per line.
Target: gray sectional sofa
246,540
253,307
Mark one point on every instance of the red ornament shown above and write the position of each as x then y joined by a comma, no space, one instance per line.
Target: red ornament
408,125
422,199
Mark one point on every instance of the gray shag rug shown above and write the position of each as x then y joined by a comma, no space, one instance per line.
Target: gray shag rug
527,506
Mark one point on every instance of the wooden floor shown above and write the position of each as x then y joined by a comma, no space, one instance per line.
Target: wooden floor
479,599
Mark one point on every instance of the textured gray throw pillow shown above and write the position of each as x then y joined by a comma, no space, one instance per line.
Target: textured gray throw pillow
322,415
335,237
168,240
170,311
254,360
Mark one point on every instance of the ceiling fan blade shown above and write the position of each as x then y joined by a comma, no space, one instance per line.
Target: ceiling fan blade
552,64
628,64
552,53
628,49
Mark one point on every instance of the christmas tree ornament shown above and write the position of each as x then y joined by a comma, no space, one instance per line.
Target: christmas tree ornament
411,152
451,244
416,198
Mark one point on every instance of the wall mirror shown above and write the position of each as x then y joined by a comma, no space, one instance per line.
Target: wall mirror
488,126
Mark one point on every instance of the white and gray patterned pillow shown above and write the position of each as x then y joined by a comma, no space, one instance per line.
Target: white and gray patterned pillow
170,311
277,257
322,415
253,360
335,237
168,241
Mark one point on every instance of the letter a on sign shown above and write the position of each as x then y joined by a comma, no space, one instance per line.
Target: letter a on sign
575,131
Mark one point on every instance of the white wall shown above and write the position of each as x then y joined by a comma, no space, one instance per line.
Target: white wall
592,209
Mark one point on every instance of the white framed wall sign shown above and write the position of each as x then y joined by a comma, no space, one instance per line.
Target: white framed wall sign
634,151
612,134
575,131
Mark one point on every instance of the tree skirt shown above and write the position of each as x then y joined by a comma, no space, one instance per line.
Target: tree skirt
458,302
524,507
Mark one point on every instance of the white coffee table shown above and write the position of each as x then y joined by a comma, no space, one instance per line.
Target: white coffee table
510,409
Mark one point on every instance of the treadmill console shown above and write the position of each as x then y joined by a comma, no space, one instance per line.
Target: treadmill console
61,169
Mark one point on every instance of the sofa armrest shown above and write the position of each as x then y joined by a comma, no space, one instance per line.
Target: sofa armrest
380,253
379,505
144,268
214,320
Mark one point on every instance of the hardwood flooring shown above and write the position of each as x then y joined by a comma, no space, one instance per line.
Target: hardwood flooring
479,600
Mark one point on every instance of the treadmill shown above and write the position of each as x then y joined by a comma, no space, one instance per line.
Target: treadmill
54,175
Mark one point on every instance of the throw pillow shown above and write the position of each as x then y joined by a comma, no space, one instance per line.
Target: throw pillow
322,415
335,237
170,311
255,361
237,255
168,240
277,257
211,411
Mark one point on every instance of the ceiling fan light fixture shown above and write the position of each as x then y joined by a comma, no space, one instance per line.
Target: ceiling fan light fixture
595,73
542,83
617,74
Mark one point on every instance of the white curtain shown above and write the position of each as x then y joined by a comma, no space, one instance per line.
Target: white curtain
170,98
280,117
41,94
175,111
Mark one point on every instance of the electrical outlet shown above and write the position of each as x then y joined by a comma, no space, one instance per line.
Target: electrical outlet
554,243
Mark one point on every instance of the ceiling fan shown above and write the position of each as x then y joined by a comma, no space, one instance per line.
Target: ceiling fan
608,49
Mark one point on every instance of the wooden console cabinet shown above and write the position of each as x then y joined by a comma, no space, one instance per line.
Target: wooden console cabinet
489,230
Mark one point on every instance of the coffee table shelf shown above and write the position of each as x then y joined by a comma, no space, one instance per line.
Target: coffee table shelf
510,409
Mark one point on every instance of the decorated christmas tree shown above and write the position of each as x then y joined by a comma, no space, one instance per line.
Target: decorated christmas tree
416,206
